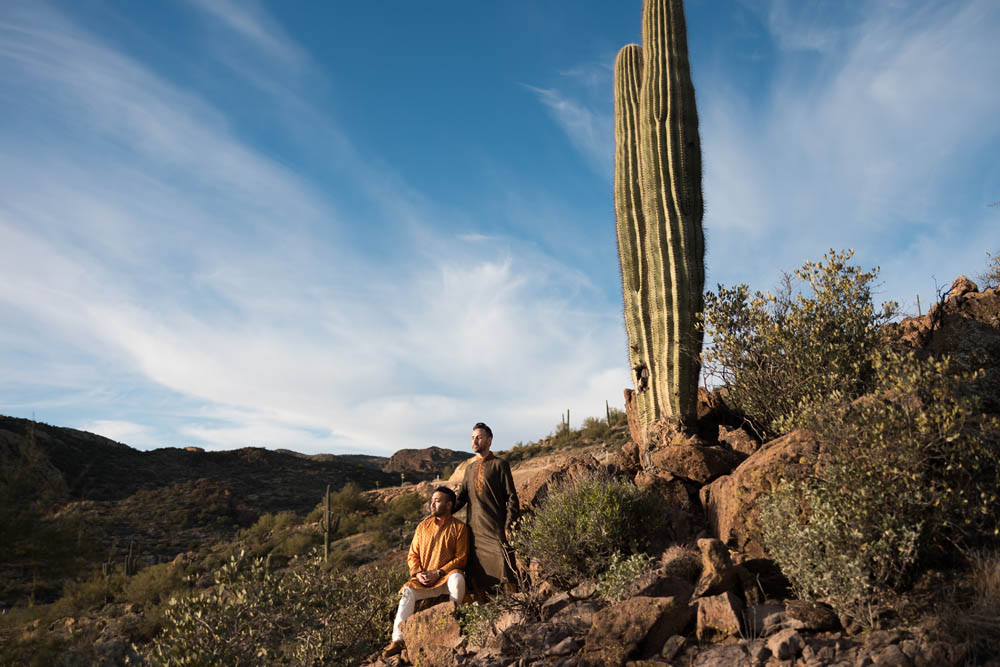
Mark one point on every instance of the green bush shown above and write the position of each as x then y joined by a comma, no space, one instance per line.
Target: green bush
297,544
155,584
299,616
911,470
616,583
582,524
394,525
477,620
816,336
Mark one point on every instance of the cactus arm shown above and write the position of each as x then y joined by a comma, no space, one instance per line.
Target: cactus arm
631,227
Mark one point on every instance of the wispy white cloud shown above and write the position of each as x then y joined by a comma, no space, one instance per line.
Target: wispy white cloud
250,22
588,129
868,151
142,234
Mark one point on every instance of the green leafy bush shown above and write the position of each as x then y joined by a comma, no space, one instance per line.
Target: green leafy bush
582,524
912,469
616,582
477,620
816,336
300,616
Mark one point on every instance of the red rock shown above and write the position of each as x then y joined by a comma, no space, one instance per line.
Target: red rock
431,636
699,464
638,625
719,616
730,502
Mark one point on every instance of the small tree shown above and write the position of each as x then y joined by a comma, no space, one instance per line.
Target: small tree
815,336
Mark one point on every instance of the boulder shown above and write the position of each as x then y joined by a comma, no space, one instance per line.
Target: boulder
697,463
640,625
431,636
718,574
658,584
737,439
578,617
719,617
961,287
785,644
730,502
732,655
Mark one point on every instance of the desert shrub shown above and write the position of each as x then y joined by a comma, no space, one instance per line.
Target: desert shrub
267,525
394,525
300,616
155,584
911,471
477,620
815,336
92,593
617,580
990,278
595,429
350,500
297,544
581,524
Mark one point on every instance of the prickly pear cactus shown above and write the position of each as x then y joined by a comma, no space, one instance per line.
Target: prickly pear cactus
659,208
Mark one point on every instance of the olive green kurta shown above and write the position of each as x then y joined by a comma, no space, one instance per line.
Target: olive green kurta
491,512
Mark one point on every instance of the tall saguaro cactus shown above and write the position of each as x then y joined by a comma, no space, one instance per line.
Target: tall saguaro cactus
659,208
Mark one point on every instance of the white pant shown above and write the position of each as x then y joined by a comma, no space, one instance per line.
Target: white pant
456,593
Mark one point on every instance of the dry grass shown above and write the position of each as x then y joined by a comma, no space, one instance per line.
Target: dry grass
972,614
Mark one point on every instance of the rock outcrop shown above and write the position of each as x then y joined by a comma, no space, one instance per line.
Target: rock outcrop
730,502
426,461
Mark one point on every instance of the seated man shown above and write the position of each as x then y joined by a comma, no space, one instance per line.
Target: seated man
437,558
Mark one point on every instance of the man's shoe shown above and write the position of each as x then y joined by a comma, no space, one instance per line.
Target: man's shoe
395,648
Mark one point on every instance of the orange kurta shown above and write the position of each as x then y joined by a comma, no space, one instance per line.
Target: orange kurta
434,547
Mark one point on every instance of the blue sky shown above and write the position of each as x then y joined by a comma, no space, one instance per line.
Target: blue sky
357,226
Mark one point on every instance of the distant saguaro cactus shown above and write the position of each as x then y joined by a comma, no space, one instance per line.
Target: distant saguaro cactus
659,208
329,527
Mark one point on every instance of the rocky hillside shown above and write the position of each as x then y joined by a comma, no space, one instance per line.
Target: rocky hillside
426,461
165,501
98,469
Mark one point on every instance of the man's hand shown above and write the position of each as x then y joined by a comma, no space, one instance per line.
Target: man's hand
428,578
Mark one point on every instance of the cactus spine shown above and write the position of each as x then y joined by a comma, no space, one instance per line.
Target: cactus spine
659,208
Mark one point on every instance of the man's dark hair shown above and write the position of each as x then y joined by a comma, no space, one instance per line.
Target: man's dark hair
448,492
481,425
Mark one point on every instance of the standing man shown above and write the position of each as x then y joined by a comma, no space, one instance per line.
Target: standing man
437,557
488,490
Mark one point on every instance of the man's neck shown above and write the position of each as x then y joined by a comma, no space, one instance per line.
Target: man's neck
483,455
441,520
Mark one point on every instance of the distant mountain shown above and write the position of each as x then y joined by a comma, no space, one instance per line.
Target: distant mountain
97,468
426,461
364,460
